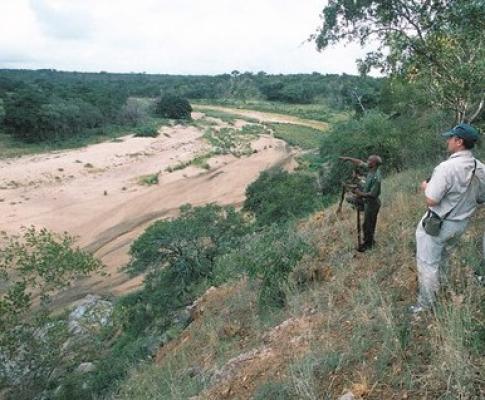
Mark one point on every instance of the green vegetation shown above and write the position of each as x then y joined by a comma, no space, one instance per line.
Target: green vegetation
35,267
318,111
149,180
296,135
229,141
278,196
52,107
439,44
170,106
402,143
269,256
225,116
12,147
283,308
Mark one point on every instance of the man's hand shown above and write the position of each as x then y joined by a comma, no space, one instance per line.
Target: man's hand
424,185
359,193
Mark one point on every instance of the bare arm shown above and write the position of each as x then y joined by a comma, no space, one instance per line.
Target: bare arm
354,161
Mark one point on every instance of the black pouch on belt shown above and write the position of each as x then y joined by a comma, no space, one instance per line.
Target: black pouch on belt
432,223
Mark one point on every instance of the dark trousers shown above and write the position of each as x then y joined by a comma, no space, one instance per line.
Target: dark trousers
371,209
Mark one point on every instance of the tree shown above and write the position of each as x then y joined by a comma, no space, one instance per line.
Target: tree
31,343
440,42
2,111
277,196
179,257
170,106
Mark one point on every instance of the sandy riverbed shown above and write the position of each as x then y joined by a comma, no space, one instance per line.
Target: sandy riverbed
94,192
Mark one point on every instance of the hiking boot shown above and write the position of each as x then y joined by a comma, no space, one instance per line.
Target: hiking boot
365,246
362,248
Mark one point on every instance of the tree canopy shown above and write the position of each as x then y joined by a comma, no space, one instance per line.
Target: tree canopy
440,42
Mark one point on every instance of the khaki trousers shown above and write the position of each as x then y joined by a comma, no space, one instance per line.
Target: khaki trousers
429,257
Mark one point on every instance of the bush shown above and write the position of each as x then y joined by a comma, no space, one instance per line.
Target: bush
268,257
31,344
180,257
170,106
277,196
400,142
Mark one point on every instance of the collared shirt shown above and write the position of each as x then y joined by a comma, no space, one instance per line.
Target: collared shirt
373,184
455,188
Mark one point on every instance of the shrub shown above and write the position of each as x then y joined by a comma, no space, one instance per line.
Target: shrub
31,348
170,106
268,257
149,180
401,143
277,196
179,256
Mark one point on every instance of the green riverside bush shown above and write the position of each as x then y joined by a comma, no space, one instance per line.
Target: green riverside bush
277,196
175,107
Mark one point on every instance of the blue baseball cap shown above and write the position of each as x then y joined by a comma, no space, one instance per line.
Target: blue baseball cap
463,131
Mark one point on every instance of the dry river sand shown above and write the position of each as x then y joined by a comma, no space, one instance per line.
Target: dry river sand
95,194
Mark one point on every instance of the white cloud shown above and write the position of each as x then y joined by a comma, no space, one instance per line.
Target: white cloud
164,36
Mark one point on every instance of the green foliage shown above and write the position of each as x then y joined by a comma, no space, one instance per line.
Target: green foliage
179,256
400,142
149,180
268,257
326,110
136,111
229,141
296,135
2,111
277,196
42,262
254,129
293,93
37,265
170,106
48,106
438,42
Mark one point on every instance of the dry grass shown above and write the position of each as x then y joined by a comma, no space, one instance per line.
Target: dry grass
353,330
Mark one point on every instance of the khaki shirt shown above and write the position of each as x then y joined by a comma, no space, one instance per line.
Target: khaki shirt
373,184
453,188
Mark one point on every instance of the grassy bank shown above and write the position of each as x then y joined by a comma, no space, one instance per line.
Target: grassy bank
318,112
346,325
11,147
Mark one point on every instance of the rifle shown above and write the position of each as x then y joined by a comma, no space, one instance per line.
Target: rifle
359,229
355,182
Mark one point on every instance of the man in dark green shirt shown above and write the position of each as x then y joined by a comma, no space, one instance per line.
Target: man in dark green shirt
370,194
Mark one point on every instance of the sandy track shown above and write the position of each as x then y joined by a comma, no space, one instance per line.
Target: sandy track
266,116
94,192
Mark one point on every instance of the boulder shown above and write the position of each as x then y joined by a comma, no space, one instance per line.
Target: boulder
90,315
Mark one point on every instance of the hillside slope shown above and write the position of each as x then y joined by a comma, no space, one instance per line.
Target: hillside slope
346,326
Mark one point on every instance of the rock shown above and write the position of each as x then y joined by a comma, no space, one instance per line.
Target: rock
85,367
182,318
196,309
347,396
90,315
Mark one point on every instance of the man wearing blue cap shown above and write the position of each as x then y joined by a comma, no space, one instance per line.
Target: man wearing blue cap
452,194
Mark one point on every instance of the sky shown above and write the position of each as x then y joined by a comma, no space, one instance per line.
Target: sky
168,36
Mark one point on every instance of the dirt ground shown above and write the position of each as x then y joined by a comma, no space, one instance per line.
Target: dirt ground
95,192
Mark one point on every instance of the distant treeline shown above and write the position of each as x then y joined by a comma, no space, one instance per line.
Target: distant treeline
45,105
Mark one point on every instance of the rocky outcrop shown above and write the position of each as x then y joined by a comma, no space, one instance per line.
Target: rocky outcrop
90,316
